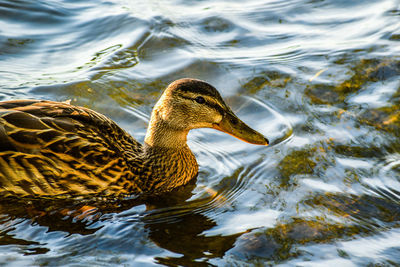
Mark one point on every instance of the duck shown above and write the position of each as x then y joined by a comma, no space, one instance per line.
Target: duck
51,149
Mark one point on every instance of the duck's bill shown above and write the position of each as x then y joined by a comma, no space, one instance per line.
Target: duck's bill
232,125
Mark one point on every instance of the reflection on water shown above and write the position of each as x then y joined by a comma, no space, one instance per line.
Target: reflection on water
319,78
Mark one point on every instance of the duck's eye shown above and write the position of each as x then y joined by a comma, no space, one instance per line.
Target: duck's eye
200,100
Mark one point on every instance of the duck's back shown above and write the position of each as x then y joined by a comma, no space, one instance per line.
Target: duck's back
52,148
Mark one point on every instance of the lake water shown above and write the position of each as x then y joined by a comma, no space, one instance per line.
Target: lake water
320,78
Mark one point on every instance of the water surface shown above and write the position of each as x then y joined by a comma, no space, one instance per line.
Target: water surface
319,78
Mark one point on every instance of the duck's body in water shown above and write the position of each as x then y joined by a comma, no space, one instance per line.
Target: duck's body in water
53,148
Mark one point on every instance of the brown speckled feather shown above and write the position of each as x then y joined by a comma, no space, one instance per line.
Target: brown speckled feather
53,148
50,148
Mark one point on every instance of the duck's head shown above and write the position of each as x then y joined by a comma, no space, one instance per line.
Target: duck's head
188,104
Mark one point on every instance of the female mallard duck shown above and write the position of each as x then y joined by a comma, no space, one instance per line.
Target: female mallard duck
50,148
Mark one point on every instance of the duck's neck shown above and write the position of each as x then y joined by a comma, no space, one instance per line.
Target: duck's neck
168,156
161,134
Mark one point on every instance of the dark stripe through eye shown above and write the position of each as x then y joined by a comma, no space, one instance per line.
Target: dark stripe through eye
200,100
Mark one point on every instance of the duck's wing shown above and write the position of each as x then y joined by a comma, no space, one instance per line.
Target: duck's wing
51,148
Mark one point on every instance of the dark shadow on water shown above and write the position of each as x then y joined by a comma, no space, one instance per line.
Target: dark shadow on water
169,227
